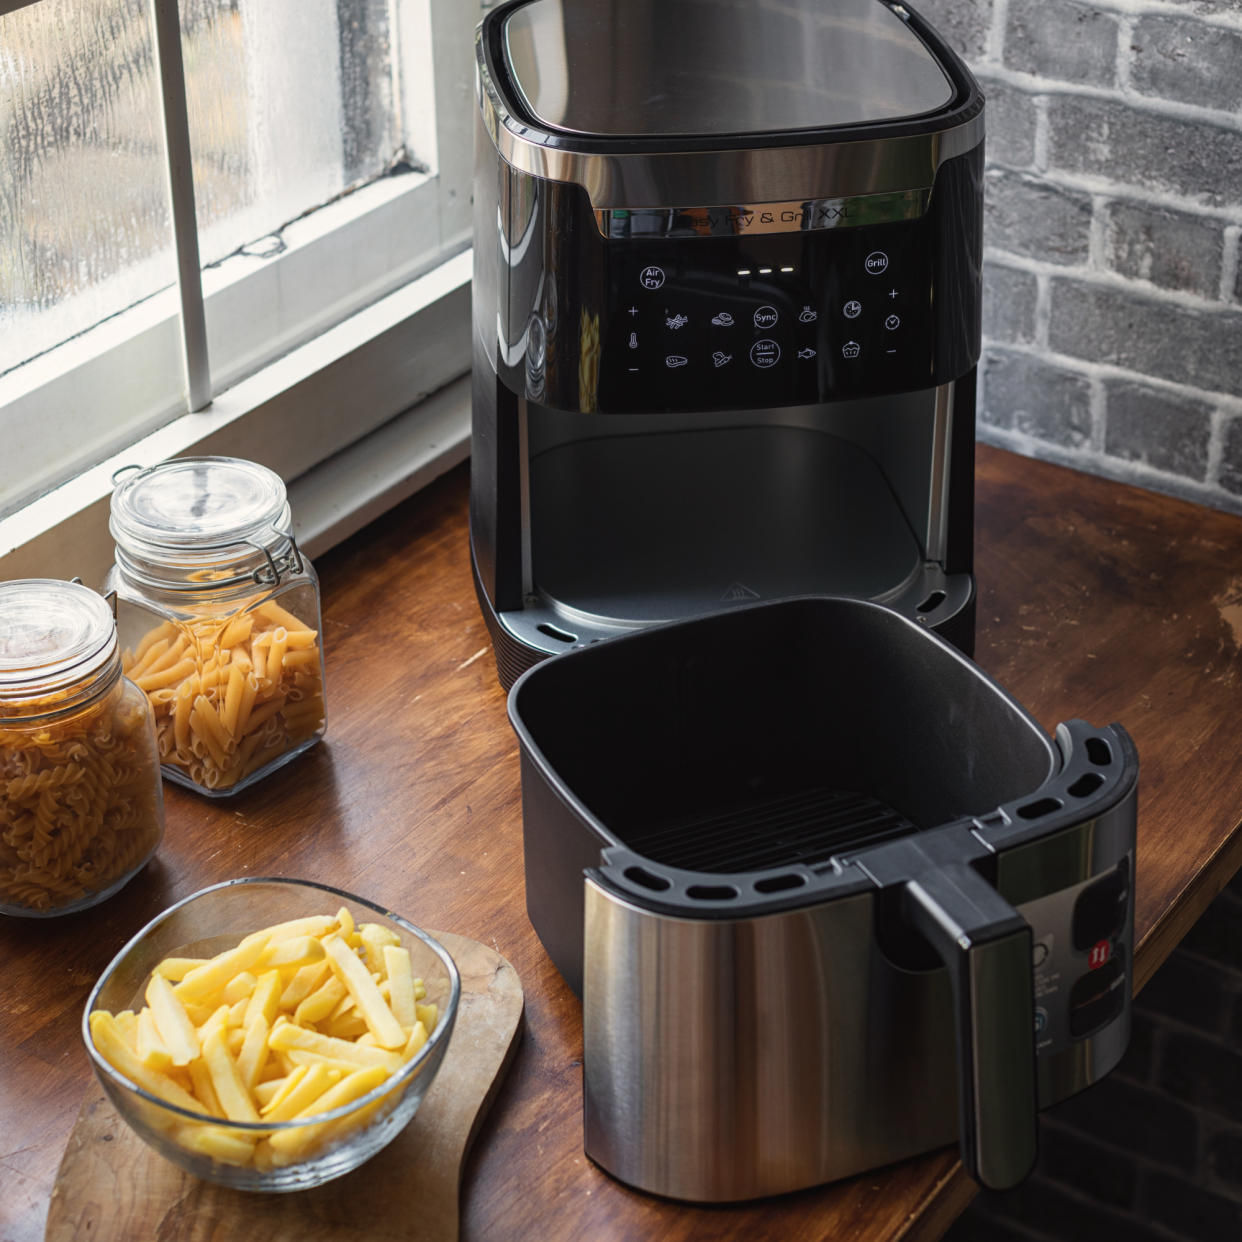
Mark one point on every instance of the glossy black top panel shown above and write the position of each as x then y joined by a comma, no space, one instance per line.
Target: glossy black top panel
693,68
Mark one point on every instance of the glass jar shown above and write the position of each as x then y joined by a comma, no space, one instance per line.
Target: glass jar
81,805
218,614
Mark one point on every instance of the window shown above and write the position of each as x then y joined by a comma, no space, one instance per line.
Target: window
330,151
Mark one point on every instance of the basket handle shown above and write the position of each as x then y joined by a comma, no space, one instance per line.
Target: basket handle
986,946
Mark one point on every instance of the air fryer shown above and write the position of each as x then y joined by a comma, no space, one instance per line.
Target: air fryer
726,315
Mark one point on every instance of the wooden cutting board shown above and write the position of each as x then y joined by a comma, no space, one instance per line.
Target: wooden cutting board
113,1188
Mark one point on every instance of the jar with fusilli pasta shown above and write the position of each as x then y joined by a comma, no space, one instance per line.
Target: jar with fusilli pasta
81,805
219,618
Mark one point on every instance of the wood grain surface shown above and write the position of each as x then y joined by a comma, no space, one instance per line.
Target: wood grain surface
112,1187
1096,600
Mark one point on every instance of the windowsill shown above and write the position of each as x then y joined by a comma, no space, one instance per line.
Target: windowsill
302,416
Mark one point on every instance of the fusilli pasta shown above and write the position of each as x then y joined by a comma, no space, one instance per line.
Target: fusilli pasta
80,801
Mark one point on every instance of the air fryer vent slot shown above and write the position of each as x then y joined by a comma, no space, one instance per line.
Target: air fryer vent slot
806,828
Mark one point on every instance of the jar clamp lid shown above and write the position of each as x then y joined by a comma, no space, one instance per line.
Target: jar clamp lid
54,635
204,521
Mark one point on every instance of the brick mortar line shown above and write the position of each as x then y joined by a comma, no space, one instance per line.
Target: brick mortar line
1204,1176
1098,229
1144,1162
1097,411
1122,1215
1162,1021
1205,959
1026,1231
996,32
1039,140
1119,469
1125,40
1229,405
1140,196
1229,264
1157,8
1043,309
1173,109
1215,447
1106,278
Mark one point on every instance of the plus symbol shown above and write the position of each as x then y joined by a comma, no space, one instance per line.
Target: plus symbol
633,310
892,293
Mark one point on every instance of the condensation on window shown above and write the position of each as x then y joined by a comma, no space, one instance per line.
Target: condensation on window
84,222
290,102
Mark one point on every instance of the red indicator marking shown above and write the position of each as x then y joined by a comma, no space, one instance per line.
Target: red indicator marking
1101,951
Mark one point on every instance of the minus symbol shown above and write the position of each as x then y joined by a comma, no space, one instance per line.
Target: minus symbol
635,368
887,351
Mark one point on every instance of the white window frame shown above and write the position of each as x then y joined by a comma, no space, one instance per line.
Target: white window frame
342,415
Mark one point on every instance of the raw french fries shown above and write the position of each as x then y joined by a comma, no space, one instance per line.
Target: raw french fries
292,1022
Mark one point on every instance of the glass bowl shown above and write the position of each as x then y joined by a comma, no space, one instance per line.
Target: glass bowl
287,1155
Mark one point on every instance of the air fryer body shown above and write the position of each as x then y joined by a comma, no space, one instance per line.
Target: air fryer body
726,316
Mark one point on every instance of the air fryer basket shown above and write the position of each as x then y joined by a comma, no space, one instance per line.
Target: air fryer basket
776,756
765,737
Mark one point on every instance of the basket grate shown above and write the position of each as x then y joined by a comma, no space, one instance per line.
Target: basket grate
807,828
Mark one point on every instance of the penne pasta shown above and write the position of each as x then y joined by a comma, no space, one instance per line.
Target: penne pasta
151,651
270,611
149,639
231,695
264,714
232,701
276,652
237,630
181,717
202,734
170,676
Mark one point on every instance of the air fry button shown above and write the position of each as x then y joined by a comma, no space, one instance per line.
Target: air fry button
765,353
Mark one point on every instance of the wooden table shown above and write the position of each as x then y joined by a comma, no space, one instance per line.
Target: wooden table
1096,600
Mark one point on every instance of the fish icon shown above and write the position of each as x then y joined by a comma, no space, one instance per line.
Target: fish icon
674,360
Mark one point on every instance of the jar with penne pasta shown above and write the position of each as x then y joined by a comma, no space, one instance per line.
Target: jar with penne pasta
81,806
219,619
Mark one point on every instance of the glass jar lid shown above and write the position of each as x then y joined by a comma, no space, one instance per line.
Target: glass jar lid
197,521
54,636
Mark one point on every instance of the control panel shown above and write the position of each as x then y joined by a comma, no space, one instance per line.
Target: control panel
1081,945
718,323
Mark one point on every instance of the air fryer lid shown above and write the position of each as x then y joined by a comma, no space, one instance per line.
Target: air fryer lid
683,68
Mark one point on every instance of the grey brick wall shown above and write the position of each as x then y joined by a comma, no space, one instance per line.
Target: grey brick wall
1113,289
1113,342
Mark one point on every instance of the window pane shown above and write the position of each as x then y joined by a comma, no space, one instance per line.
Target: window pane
290,102
84,228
